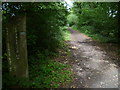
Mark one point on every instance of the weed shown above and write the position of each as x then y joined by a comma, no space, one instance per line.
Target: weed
49,74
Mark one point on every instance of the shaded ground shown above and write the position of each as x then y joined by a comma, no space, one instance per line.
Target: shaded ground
93,67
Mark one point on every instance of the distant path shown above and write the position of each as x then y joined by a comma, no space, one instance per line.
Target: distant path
90,64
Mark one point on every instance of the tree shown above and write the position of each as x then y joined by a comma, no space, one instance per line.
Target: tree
101,17
44,34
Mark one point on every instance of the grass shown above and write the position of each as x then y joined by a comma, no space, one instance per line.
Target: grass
66,33
99,37
49,74
44,71
89,31
74,28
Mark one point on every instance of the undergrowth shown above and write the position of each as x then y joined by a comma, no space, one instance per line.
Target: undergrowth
44,71
91,32
65,33
48,73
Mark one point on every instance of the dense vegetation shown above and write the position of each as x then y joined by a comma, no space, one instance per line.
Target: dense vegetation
46,33
96,19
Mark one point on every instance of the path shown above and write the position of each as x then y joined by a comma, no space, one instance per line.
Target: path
90,64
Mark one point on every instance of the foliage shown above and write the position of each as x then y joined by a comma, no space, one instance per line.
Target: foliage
48,73
65,33
72,19
97,18
43,73
44,20
45,34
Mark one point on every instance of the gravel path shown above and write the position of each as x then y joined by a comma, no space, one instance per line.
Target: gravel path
90,64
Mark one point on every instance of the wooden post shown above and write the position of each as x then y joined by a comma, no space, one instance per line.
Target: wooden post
22,67
11,50
17,46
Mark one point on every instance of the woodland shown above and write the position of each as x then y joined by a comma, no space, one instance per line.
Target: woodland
34,34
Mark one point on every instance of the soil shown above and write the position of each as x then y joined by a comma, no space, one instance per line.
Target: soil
95,65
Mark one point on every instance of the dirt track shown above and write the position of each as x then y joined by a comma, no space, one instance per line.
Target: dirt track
90,64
